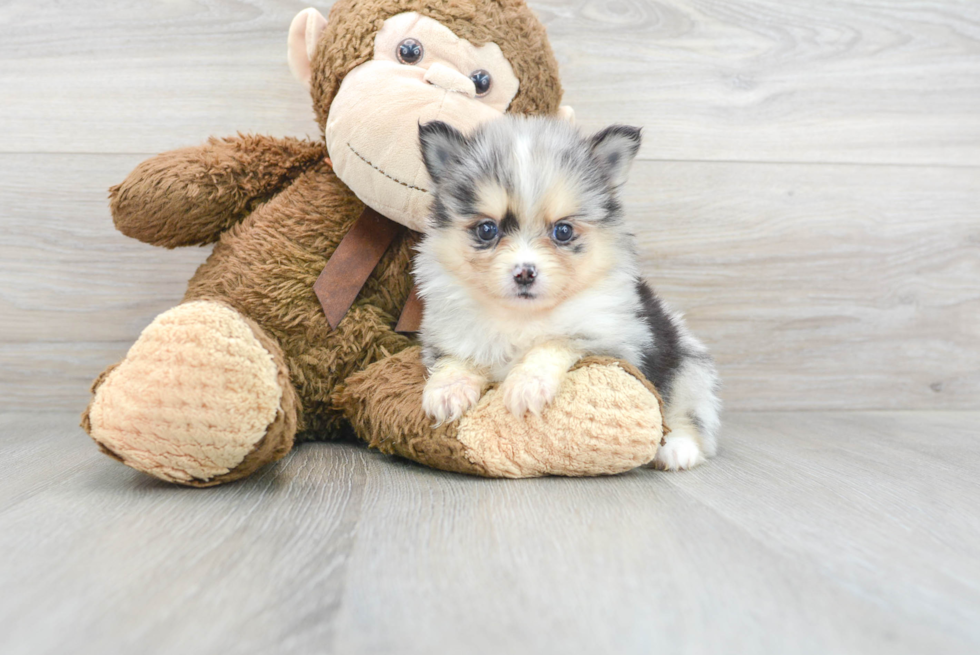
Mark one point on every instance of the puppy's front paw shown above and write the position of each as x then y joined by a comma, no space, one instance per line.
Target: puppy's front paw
679,452
528,391
449,394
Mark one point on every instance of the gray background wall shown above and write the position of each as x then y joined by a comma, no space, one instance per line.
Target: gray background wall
808,191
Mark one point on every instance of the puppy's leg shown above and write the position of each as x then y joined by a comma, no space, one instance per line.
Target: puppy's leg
533,383
691,412
682,448
453,387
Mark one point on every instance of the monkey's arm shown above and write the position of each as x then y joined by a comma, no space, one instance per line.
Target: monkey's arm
190,196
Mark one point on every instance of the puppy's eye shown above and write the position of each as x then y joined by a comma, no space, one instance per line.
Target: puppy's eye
482,81
563,232
486,231
409,52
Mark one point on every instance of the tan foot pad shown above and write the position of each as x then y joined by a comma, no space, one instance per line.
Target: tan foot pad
194,396
606,419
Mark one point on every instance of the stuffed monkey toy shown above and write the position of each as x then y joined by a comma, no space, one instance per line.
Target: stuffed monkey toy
286,333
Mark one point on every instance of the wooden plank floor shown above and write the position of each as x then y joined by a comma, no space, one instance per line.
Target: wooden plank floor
811,533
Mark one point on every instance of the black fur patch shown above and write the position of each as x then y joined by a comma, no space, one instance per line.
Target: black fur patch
659,364
613,210
509,225
464,195
440,215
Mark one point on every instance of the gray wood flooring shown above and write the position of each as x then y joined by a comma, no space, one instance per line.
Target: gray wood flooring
822,532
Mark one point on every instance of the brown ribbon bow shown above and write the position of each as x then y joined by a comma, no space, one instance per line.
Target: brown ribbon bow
352,263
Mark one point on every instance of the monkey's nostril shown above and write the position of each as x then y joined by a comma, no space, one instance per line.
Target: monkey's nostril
524,274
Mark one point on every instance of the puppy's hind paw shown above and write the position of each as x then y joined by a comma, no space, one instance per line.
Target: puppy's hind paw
525,391
679,452
448,396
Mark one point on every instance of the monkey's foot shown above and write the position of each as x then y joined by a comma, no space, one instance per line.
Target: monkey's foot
605,419
202,397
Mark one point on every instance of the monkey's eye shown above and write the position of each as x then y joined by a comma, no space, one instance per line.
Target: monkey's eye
409,52
482,81
486,231
563,232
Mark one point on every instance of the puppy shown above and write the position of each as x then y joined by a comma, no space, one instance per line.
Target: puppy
528,266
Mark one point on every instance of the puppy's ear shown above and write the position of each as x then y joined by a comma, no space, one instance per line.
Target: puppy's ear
614,148
441,146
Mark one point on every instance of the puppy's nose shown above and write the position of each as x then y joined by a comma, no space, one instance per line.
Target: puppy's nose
524,274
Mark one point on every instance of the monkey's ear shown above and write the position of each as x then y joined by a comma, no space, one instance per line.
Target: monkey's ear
614,148
304,32
441,144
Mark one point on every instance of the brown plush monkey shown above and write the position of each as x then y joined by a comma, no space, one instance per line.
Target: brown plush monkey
225,382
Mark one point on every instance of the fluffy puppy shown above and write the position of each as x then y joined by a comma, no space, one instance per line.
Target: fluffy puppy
527,266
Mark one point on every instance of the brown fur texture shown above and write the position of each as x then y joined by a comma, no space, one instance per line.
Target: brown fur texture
384,405
601,423
348,42
265,267
277,212
188,197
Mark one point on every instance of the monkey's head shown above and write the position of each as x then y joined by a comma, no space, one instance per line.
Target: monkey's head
377,69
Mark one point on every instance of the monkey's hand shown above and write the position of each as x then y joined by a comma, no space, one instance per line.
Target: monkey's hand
534,382
190,196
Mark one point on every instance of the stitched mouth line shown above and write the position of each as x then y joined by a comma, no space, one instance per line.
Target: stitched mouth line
393,179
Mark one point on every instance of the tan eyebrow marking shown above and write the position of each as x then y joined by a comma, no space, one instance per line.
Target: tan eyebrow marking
558,202
491,200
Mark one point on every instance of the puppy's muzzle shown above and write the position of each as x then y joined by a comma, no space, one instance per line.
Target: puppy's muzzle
524,275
